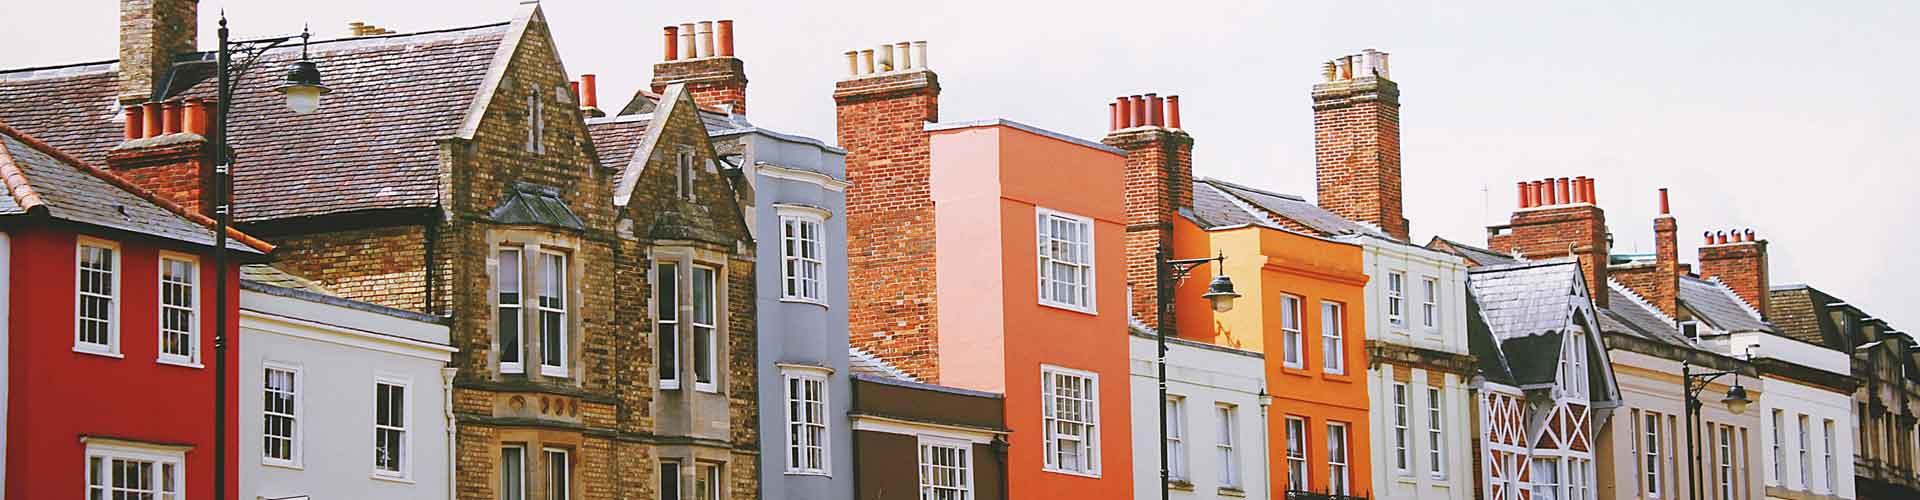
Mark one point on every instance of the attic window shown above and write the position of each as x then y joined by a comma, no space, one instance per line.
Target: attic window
684,173
536,121
1690,330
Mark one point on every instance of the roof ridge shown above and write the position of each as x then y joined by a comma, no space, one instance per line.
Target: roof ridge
130,187
5,71
1451,242
1636,299
1293,197
1264,216
1524,264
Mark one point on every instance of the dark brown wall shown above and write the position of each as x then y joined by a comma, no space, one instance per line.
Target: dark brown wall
887,468
872,397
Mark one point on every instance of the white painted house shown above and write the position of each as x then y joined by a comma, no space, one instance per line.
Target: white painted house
1216,420
1806,414
338,398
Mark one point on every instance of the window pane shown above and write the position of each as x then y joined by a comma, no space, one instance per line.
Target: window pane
558,472
509,302
666,300
513,469
670,481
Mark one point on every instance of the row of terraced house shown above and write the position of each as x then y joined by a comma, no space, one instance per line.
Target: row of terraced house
463,278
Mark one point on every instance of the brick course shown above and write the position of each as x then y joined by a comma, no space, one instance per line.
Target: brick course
1559,231
881,121
715,82
1356,149
172,166
1742,266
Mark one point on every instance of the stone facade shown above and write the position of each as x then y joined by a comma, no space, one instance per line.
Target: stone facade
1356,143
151,33
881,119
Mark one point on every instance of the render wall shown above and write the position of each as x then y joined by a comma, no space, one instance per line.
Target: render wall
1652,384
1204,378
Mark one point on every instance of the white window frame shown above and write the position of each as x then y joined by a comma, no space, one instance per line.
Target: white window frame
1397,298
708,482
963,454
112,346
516,311
1333,337
1779,456
192,358
1436,433
1690,330
667,347
1548,483
1402,457
679,482
1726,462
1299,478
1827,453
1806,455
1227,444
296,439
812,414
1177,459
405,471
547,456
1651,450
511,492
709,330
1082,295
564,369
1430,302
1339,451
1294,340
803,278
160,457
1088,439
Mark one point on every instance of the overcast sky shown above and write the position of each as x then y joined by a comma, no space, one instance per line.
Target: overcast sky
1792,118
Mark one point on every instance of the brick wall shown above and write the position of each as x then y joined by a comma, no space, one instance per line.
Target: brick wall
151,33
1742,266
1159,182
379,265
171,166
1659,281
715,82
1356,150
890,221
1559,231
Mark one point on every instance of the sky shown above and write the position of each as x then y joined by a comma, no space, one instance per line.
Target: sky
1790,118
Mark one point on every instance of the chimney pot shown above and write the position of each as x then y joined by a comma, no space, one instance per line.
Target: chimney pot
905,50
134,125
1139,110
883,58
866,61
1565,192
853,62
1720,238
920,53
1750,235
1154,110
1382,65
1173,112
574,85
725,29
1329,71
1552,195
671,44
1125,112
155,119
687,50
196,116
1113,116
1590,196
706,38
1663,202
1709,235
590,92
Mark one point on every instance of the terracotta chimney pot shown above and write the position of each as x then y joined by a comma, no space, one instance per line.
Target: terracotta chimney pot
724,29
1154,109
155,119
134,125
670,44
1173,112
590,95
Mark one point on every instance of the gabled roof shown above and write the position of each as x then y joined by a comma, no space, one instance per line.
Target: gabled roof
1477,255
533,204
1292,212
370,146
42,180
1527,309
675,100
1713,302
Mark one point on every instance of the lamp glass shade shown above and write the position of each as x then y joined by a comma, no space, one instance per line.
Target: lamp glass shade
1221,293
1736,400
302,99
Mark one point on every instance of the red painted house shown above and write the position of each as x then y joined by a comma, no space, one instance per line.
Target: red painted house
107,293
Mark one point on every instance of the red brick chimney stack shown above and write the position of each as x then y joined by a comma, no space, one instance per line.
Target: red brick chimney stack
691,55
1546,227
881,111
1740,263
164,150
1356,139
1657,282
1159,184
152,33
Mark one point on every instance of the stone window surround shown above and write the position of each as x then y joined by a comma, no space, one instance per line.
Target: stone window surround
690,458
688,256
534,443
531,243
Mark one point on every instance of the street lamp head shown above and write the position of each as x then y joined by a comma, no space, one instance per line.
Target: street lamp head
1220,291
303,88
1736,399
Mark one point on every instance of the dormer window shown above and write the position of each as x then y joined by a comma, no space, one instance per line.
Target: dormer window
1690,330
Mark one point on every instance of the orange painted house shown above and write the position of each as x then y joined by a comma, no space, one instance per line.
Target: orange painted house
1029,252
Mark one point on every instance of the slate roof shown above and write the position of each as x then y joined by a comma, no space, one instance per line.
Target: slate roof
1479,255
1717,304
1486,349
41,179
370,145
533,204
617,138
1794,314
1293,212
1628,314
266,274
1213,207
1525,308
861,363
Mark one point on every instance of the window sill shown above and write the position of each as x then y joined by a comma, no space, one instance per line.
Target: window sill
1180,484
809,473
1066,307
391,478
798,300
1345,378
549,371
670,385
96,352
1229,491
1095,475
282,465
179,362
707,388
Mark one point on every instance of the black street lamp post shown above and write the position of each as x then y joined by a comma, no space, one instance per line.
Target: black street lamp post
1736,401
303,90
1219,291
